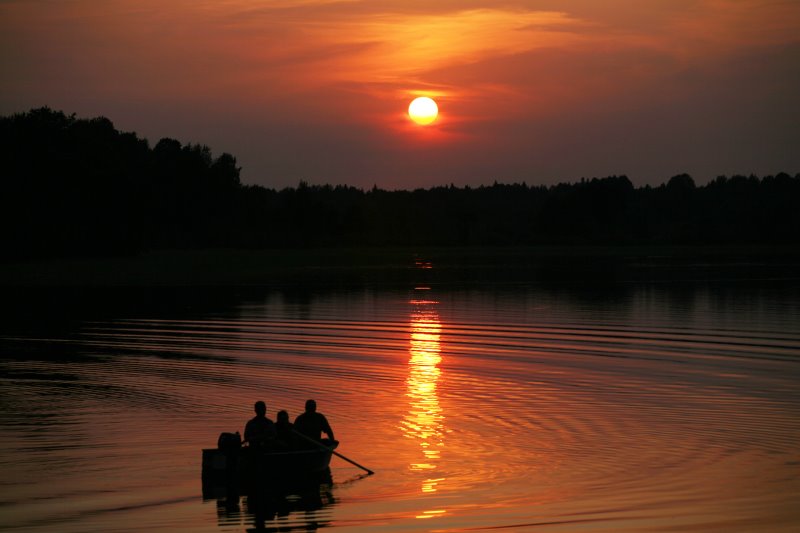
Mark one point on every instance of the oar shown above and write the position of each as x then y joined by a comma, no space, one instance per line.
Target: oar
337,454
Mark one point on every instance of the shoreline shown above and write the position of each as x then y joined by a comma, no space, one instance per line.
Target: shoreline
356,266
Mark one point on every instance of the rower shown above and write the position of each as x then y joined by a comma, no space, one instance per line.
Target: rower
285,430
312,424
259,429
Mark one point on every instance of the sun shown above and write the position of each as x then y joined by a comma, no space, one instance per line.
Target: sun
423,110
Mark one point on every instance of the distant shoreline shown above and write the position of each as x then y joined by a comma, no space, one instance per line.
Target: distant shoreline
400,265
81,188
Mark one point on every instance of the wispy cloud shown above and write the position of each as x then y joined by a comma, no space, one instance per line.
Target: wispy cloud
275,80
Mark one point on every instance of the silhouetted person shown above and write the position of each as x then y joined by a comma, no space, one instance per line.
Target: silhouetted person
312,424
259,429
284,429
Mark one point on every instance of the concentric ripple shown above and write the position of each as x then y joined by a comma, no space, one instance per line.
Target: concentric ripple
478,410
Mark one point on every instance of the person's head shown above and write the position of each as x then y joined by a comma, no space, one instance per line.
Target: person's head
261,408
311,406
283,417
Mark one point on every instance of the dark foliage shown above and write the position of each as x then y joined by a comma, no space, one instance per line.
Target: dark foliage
80,187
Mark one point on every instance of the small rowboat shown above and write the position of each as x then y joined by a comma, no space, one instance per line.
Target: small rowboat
240,465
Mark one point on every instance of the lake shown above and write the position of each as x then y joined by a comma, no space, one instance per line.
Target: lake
501,406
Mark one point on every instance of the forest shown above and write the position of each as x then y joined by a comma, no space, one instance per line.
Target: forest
79,187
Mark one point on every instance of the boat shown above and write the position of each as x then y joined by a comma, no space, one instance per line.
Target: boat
244,465
274,482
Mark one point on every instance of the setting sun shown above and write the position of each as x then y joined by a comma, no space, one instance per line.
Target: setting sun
423,110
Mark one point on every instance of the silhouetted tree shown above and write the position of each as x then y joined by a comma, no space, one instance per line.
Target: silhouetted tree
79,187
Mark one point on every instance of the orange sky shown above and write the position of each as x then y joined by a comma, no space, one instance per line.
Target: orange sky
316,90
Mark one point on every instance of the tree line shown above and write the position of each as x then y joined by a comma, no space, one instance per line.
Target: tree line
78,187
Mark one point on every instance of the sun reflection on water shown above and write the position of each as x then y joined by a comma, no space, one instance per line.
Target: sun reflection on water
425,421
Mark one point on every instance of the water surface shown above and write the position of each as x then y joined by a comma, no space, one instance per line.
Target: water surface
672,407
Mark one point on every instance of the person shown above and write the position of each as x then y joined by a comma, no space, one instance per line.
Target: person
312,424
284,429
259,429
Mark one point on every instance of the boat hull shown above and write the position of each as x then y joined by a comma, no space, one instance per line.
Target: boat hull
246,465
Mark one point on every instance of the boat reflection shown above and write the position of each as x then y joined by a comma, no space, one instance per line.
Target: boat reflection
425,420
274,507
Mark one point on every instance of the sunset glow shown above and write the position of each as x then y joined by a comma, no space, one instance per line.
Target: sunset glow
423,110
313,90
400,265
424,421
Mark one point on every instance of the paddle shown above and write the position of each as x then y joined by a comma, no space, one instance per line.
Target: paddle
337,454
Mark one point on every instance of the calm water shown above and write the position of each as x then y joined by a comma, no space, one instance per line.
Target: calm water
643,407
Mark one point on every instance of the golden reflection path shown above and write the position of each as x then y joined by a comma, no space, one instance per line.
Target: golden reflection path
425,421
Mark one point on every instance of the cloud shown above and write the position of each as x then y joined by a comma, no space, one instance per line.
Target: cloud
317,90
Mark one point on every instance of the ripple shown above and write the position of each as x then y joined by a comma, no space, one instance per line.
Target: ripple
478,414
